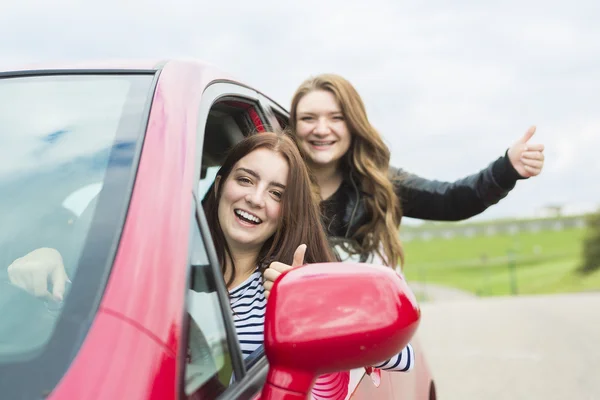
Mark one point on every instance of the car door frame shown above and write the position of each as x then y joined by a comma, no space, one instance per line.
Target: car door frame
249,382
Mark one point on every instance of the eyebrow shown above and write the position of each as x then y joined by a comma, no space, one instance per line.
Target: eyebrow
257,176
314,113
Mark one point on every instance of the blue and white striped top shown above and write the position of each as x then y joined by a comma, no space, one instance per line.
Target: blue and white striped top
248,304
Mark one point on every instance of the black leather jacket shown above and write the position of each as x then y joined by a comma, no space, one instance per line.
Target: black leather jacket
344,212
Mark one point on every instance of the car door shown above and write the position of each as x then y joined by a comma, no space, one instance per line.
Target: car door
211,360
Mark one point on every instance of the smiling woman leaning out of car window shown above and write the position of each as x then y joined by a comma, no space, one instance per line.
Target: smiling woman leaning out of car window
262,214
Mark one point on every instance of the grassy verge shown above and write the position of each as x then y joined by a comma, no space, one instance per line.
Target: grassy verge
526,263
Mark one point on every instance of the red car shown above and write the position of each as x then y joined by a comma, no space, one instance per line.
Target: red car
108,164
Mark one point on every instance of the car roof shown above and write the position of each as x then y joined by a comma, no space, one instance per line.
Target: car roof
123,65
99,65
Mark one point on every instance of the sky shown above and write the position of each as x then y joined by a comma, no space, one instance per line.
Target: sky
449,85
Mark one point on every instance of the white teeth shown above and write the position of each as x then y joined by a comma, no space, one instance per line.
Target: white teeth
248,216
322,143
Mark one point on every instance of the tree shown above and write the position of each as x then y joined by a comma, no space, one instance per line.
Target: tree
591,245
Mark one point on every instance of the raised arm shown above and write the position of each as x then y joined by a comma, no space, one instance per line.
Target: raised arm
452,201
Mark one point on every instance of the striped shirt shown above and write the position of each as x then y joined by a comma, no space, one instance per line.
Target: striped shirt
248,304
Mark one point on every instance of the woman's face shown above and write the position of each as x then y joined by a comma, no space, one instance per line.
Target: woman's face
250,204
321,128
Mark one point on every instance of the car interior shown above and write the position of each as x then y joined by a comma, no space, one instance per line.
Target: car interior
228,122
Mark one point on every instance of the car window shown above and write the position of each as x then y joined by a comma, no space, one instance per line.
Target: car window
208,355
67,149
206,182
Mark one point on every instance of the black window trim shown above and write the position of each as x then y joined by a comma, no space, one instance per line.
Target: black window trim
249,387
242,92
77,71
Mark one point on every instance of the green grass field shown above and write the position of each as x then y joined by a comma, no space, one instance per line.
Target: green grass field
544,262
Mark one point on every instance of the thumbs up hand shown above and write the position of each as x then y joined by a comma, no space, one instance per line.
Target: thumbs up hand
527,158
277,268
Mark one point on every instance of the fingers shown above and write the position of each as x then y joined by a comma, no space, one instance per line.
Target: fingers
299,256
279,267
13,276
533,155
268,285
534,147
528,134
20,274
38,286
59,280
533,163
33,271
17,280
271,274
532,171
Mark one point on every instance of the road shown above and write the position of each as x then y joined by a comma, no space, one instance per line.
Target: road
529,347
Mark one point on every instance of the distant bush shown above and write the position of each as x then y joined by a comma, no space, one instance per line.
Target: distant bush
591,245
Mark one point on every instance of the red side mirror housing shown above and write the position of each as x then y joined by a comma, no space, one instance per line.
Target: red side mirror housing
330,317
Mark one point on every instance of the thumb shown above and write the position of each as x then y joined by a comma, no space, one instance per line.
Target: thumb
59,280
527,135
299,256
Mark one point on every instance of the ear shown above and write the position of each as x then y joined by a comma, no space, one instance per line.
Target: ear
217,183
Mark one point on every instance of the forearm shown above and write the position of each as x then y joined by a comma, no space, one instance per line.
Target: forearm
452,201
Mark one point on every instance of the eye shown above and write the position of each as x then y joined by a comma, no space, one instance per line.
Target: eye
244,180
306,118
339,118
277,194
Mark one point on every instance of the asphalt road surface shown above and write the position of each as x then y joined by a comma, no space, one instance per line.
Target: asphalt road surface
528,347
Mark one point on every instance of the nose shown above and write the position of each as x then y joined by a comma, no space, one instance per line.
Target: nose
256,199
322,127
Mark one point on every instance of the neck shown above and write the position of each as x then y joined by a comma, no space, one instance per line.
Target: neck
245,265
329,178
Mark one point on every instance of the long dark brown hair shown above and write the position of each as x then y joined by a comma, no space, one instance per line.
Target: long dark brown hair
300,221
369,162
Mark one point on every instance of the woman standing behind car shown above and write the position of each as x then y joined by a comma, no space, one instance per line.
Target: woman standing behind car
363,198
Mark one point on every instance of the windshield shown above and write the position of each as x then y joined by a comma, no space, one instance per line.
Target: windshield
68,146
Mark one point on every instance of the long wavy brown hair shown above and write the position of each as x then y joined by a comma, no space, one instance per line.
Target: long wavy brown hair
369,162
300,220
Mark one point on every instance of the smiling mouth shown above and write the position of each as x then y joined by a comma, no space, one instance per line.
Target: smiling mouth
322,143
247,217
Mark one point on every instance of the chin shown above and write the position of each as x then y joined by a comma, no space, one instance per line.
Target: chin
323,161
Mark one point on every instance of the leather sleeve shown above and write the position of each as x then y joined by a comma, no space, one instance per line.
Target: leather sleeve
453,201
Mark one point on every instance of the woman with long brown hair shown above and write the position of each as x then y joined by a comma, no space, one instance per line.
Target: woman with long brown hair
363,198
247,209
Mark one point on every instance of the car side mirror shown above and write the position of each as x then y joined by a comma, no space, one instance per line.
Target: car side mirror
330,317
